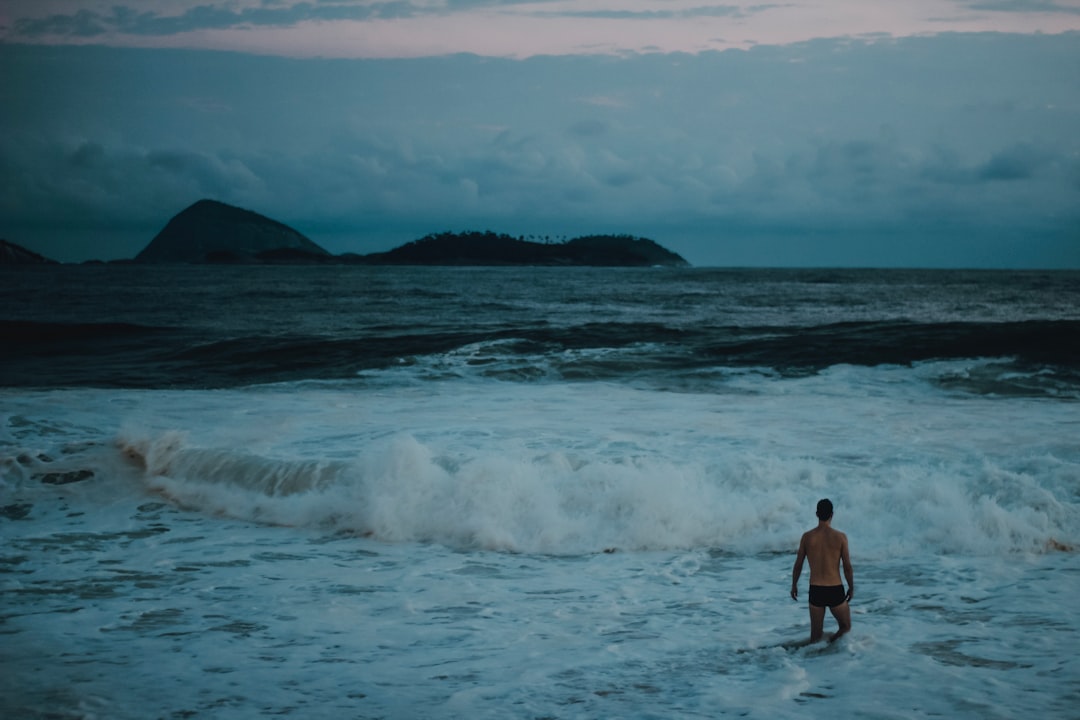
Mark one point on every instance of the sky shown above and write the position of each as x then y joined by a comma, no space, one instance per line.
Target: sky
923,133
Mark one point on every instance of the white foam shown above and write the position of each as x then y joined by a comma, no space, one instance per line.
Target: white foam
568,469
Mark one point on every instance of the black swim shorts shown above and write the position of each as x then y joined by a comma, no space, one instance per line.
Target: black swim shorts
827,595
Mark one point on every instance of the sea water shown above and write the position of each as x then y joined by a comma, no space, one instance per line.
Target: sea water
535,493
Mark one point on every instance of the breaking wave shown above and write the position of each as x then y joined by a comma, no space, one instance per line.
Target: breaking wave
400,490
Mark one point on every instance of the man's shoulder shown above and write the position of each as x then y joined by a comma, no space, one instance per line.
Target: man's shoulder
828,535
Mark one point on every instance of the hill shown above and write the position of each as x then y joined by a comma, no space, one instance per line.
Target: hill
12,254
211,231
488,248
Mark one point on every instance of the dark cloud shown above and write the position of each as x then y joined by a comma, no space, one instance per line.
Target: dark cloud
130,20
83,23
730,11
1019,162
707,11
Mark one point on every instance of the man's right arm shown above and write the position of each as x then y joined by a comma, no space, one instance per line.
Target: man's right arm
797,570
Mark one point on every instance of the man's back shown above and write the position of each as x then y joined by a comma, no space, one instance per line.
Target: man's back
824,549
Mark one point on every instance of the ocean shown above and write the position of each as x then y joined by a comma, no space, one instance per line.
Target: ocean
392,492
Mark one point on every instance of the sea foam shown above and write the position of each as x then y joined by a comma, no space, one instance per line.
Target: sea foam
737,475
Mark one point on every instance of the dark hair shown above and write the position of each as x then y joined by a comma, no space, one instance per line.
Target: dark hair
824,509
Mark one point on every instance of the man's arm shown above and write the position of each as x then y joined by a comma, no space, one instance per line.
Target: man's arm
797,570
849,574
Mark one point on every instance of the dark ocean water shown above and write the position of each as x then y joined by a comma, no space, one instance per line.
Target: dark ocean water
204,327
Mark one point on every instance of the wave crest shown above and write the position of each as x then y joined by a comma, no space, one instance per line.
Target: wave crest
564,504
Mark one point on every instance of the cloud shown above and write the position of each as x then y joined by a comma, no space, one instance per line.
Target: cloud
725,11
129,20
202,15
1019,162
1022,6
90,185
505,28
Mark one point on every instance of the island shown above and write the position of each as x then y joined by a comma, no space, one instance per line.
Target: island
213,232
209,231
488,248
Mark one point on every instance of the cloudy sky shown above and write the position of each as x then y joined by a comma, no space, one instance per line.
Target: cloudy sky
809,132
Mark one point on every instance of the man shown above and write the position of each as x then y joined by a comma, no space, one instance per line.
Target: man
826,549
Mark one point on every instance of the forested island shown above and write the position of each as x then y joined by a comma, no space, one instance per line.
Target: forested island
489,248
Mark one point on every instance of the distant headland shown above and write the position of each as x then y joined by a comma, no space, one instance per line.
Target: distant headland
12,254
212,232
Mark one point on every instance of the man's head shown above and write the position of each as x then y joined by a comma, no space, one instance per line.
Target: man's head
824,509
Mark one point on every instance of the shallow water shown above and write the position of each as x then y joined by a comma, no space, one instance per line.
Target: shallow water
168,614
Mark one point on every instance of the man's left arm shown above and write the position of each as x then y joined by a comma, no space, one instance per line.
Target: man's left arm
849,573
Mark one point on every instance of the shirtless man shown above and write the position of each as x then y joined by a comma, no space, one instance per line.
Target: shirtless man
826,549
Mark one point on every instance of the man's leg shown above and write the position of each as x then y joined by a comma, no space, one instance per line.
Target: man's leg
842,613
817,622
